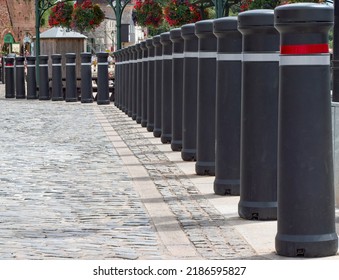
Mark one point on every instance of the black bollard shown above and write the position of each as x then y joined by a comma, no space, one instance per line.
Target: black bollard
117,77
144,84
71,85
157,85
166,88
306,207
86,78
150,85
57,91
44,79
20,90
259,115
9,77
134,82
31,78
128,110
177,88
139,83
125,80
205,153
190,72
103,84
228,106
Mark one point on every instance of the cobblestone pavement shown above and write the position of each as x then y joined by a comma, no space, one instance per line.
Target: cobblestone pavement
65,192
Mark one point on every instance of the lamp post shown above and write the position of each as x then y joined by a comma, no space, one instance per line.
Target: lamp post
118,7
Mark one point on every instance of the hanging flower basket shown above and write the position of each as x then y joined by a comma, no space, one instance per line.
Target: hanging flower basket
148,13
61,15
83,17
180,12
86,16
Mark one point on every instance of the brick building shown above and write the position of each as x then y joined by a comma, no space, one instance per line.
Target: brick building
17,24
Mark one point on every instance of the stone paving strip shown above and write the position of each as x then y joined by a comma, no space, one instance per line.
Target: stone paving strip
209,231
64,191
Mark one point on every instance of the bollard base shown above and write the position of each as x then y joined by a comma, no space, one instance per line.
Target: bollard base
253,210
138,120
57,99
32,97
9,96
157,132
129,113
226,187
308,246
166,138
150,127
176,145
71,99
134,117
188,154
143,123
44,98
205,168
90,100
20,97
103,102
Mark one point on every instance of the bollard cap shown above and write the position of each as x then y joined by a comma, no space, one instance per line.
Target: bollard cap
204,26
256,18
19,59
225,24
156,40
56,55
30,59
143,45
175,34
85,54
70,55
303,13
188,29
165,37
149,43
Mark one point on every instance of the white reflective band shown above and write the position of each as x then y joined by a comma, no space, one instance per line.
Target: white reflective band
31,65
85,64
178,55
229,56
134,61
103,63
20,66
207,55
70,64
57,64
191,54
158,58
145,59
323,59
43,65
167,56
261,57
12,66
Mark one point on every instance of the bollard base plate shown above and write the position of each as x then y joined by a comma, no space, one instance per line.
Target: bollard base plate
166,138
103,102
176,145
20,97
156,132
254,210
143,123
188,154
57,99
90,100
138,120
32,97
134,117
307,246
226,187
71,99
205,168
150,127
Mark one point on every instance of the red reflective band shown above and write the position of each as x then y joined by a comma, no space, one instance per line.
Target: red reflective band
304,49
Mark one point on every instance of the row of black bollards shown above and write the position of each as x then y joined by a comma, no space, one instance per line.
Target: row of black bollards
55,90
248,98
